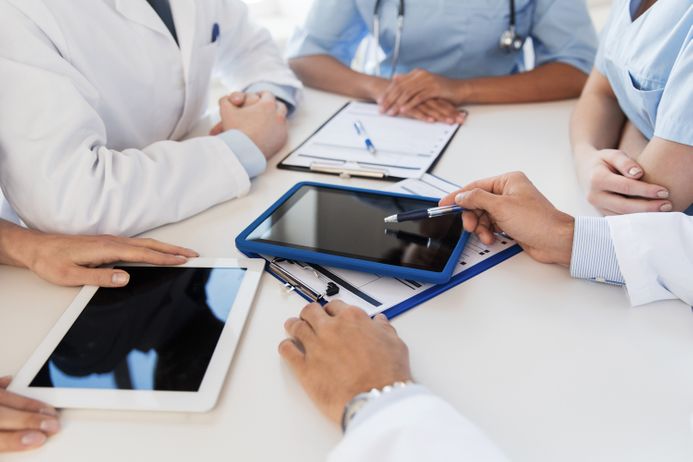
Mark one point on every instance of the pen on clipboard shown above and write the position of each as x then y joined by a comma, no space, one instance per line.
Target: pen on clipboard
423,214
361,131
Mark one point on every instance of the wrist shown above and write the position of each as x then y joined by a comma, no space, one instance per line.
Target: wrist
373,87
563,233
18,245
361,400
461,91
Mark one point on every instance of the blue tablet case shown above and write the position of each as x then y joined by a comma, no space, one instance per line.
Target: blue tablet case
252,247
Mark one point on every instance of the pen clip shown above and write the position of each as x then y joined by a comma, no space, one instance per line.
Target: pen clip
348,172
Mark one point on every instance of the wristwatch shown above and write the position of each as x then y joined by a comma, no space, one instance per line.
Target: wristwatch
359,401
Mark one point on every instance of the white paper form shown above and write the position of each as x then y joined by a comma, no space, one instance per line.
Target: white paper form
375,293
405,148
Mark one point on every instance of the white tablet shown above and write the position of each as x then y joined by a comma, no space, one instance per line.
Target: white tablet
164,342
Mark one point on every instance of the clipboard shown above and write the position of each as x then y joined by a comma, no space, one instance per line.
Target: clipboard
476,255
367,168
315,295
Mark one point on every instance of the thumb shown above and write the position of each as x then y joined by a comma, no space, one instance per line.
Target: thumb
477,199
624,164
102,277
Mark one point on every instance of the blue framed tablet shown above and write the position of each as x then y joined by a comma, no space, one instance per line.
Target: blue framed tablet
343,227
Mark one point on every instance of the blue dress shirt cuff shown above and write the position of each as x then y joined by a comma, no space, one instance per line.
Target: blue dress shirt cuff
385,400
284,93
249,155
594,256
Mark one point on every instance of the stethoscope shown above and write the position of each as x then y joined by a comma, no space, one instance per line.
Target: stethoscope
510,40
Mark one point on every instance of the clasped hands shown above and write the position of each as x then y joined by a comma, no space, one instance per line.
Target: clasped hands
421,95
260,116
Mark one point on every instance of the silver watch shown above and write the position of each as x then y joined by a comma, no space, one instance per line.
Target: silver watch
359,401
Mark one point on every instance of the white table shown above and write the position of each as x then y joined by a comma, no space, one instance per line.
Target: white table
553,369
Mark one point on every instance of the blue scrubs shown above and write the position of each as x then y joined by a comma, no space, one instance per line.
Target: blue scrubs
454,38
649,64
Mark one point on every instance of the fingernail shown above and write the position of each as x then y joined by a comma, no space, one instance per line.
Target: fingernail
120,279
33,439
48,411
634,171
50,426
460,197
663,194
666,208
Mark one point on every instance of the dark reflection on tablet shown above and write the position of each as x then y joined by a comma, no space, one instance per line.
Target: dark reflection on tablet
348,224
158,333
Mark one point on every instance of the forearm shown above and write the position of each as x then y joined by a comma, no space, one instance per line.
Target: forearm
549,82
670,165
597,121
15,244
327,73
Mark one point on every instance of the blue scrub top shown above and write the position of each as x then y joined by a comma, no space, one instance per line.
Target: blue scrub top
455,38
649,64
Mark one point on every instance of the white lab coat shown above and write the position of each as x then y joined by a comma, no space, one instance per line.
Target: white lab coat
655,256
90,88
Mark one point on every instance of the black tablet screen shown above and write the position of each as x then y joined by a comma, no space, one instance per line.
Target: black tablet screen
157,333
350,224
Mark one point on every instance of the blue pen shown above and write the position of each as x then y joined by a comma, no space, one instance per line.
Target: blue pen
215,32
423,214
361,131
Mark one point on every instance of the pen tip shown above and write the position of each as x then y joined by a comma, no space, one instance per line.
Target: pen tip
391,219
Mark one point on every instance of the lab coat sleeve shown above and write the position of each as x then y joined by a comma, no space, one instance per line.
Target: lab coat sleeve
56,166
655,255
418,427
248,55
562,31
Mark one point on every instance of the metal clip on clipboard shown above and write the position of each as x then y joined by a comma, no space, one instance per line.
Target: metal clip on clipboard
345,172
293,283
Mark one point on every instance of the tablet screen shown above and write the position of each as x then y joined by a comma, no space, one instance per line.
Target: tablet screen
350,224
157,333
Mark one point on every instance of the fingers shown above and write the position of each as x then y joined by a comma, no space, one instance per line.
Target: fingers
136,254
616,204
290,351
477,199
5,381
282,110
237,98
300,330
314,315
335,307
217,129
393,92
15,401
382,320
21,440
612,182
75,276
159,246
15,419
622,163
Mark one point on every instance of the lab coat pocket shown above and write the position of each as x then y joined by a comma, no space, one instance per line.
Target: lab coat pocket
645,95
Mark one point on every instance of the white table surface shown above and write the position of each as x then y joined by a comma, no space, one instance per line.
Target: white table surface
553,369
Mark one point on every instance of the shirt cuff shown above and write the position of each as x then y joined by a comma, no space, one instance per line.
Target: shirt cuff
385,400
284,93
594,256
249,155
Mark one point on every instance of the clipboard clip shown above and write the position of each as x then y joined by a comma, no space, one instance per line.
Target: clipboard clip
345,172
292,283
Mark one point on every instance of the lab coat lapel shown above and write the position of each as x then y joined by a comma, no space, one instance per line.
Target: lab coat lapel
185,18
140,12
